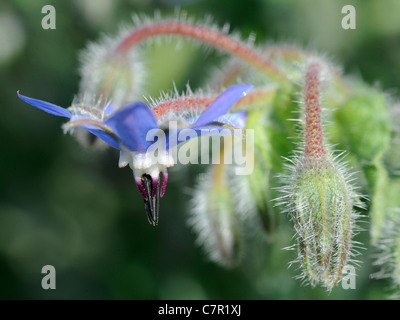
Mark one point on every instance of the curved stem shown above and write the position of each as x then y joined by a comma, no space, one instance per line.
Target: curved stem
212,37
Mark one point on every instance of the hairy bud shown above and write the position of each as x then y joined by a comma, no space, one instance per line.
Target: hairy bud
321,209
366,136
388,257
215,219
260,181
319,198
109,75
387,248
222,207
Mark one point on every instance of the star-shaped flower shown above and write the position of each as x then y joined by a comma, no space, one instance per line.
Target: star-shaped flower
127,130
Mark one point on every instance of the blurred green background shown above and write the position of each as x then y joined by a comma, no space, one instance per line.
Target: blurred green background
72,208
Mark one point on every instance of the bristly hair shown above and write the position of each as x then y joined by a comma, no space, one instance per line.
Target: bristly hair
101,60
179,107
98,70
206,33
183,107
222,212
181,16
284,202
296,164
387,253
218,229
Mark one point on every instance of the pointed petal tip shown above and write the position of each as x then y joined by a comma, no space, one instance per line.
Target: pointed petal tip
237,91
222,104
244,87
46,106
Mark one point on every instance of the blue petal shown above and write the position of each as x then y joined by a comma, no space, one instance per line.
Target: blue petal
46,106
131,125
222,104
237,119
105,136
180,136
98,128
109,109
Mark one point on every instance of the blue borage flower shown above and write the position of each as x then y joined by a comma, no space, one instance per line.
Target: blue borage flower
127,129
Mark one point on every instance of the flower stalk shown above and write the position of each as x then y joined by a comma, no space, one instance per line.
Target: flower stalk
214,38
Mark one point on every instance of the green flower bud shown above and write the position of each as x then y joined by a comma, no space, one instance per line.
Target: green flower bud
108,75
362,126
318,197
321,209
260,183
215,219
388,256
265,159
221,205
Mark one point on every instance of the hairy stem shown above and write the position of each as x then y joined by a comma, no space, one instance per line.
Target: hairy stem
212,37
313,134
249,101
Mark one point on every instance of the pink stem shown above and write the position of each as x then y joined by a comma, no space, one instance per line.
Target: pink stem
314,140
183,103
214,38
201,103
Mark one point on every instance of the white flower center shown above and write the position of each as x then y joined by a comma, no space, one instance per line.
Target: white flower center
146,163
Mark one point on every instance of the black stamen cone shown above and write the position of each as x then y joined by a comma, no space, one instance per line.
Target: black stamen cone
151,204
